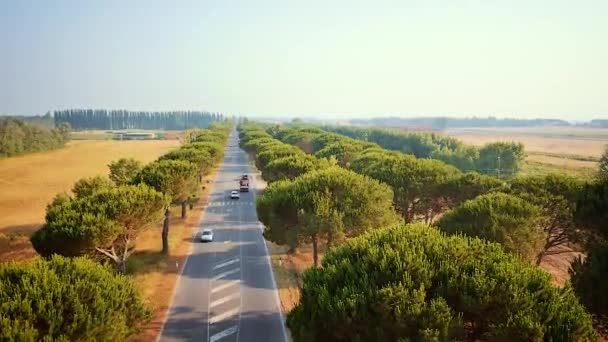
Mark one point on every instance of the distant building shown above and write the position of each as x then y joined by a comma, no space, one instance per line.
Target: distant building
134,135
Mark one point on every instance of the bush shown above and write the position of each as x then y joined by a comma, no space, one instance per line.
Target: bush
68,300
412,283
588,278
499,217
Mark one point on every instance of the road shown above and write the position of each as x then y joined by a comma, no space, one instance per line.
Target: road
226,291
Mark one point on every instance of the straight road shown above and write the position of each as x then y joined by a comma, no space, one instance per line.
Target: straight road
227,291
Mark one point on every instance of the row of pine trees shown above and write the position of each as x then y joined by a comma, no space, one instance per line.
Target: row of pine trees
123,119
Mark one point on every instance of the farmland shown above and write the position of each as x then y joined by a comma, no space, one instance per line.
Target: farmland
30,182
573,150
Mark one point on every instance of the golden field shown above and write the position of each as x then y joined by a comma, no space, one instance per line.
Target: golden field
572,150
28,183
579,141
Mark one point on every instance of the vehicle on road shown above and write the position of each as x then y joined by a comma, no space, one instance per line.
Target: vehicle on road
244,185
207,235
234,194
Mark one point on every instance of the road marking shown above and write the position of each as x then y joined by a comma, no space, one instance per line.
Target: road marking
225,286
226,263
224,333
224,299
224,315
227,273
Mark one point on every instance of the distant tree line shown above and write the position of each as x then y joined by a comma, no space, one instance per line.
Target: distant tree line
462,268
123,119
440,123
79,288
501,159
18,137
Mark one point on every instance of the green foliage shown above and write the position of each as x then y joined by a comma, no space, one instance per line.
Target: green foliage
17,137
463,157
65,299
603,165
556,195
105,222
592,208
176,178
502,159
470,185
122,119
88,186
323,205
197,156
589,279
344,153
214,149
123,170
291,167
498,217
418,184
412,283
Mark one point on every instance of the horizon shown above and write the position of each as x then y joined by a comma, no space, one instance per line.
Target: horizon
334,117
440,58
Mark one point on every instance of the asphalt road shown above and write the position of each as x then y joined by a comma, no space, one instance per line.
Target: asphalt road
226,291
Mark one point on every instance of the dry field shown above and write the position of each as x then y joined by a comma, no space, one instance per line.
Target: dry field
28,183
578,141
573,150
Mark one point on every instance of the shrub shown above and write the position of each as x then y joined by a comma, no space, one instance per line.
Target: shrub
412,283
68,300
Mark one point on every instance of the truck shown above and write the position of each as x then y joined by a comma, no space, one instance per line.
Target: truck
244,185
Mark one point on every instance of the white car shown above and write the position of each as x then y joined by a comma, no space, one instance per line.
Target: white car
207,235
234,194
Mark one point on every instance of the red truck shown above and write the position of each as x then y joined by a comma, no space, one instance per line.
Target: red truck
244,185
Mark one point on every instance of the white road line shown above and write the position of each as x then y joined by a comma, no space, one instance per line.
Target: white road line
226,263
225,286
227,273
224,315
224,299
224,333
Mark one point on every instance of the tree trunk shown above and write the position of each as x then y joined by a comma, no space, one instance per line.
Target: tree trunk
165,233
184,208
539,258
315,256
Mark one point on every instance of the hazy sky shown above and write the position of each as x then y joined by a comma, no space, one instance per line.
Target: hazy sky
528,58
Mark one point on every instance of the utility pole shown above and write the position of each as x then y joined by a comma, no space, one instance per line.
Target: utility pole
498,165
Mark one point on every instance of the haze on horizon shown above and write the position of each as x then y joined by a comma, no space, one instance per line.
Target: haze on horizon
341,59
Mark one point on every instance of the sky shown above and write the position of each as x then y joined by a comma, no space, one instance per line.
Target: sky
329,58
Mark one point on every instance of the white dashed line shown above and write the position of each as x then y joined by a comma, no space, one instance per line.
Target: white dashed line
226,263
225,286
224,315
227,273
224,299
223,334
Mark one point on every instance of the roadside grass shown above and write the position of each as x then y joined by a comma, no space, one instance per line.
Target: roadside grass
286,276
28,183
156,274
